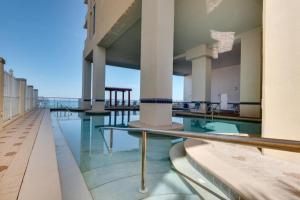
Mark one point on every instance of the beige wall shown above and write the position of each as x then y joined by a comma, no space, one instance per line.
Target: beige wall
108,12
281,73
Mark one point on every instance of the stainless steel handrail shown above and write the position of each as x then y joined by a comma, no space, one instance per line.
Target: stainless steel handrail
269,143
276,144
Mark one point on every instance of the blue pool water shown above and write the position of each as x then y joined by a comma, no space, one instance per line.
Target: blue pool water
115,173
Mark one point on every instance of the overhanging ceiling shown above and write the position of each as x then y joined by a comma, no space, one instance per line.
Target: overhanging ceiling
192,28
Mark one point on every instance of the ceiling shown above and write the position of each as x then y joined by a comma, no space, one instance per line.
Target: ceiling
192,28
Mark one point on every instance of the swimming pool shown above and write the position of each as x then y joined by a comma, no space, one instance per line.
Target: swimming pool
115,173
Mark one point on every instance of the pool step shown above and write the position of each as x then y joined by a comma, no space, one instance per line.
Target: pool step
194,178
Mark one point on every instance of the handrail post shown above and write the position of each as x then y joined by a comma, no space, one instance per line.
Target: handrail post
111,140
143,188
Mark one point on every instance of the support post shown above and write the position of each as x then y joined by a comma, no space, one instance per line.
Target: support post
143,188
123,101
201,58
116,98
251,68
157,62
129,98
86,85
99,61
110,98
281,72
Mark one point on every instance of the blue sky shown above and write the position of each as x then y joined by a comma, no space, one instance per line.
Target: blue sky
42,41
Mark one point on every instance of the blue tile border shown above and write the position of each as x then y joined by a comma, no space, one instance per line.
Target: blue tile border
157,100
99,100
250,103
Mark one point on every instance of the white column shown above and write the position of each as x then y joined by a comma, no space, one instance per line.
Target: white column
99,58
157,62
201,58
201,81
281,72
187,92
22,95
86,85
250,79
2,63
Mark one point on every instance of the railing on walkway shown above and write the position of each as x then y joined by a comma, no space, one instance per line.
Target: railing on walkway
59,102
268,143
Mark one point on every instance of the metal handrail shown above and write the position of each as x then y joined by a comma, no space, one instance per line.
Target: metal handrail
276,144
269,143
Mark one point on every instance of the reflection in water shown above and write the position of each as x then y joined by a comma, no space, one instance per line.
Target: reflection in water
221,126
112,160
86,139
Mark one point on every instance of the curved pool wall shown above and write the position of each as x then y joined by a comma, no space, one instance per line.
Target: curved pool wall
114,173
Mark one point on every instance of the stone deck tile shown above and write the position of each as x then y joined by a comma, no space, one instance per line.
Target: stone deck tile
16,142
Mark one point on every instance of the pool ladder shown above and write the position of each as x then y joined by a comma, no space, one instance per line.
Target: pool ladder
212,109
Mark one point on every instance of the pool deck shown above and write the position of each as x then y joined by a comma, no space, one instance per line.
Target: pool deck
245,170
27,156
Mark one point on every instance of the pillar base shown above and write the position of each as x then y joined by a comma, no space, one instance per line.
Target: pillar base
86,105
252,111
94,112
138,124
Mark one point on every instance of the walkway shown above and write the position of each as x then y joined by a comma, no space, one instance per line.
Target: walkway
16,143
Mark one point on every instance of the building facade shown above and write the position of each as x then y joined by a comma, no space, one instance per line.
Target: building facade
231,51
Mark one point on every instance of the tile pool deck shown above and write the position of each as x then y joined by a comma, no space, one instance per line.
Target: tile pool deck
16,141
26,158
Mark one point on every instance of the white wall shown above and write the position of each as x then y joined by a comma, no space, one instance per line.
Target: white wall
226,80
187,91
223,80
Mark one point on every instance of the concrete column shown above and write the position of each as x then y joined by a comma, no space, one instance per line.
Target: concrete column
86,85
30,90
2,63
157,62
250,78
187,91
36,98
99,56
201,58
281,72
201,82
22,95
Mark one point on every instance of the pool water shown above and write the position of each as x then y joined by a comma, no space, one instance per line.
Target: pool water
114,173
